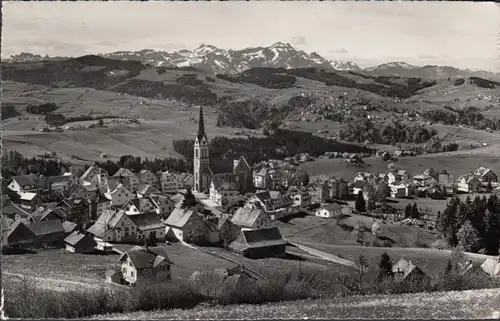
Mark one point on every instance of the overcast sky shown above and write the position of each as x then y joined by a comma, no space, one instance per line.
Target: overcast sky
460,34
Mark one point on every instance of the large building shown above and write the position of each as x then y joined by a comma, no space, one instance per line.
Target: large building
206,171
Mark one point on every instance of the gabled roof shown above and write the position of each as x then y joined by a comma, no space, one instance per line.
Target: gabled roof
405,267
24,180
246,216
147,258
108,220
491,267
42,213
241,162
221,166
124,172
263,172
46,227
69,227
147,221
28,196
179,217
118,187
147,190
332,207
59,179
12,209
76,237
260,238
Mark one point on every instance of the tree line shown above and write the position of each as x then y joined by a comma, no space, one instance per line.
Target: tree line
361,130
136,164
256,149
471,225
14,164
469,117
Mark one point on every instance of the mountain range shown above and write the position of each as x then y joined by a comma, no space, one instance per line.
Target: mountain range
278,55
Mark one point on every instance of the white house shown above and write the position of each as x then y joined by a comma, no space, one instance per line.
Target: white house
223,193
402,189
148,224
120,195
23,183
329,211
145,264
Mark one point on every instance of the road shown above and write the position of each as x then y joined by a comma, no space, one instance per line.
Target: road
323,255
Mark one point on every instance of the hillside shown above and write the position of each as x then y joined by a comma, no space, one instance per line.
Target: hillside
472,304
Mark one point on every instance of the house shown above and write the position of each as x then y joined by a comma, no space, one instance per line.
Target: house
402,189
228,280
90,172
363,176
59,184
24,183
101,182
99,205
30,200
114,226
329,211
43,214
274,203
395,176
77,242
319,192
169,182
80,191
113,276
491,267
145,264
468,184
431,172
446,179
469,269
339,188
164,205
251,218
77,209
261,243
301,198
185,225
220,230
222,193
147,177
406,271
49,232
148,225
139,205
262,179
129,179
120,195
15,233
485,175
147,190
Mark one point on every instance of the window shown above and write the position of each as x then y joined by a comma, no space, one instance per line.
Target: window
132,273
124,270
196,153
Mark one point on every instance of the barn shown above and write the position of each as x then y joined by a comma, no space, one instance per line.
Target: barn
261,243
77,242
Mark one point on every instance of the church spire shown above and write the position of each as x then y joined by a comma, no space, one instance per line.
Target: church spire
201,125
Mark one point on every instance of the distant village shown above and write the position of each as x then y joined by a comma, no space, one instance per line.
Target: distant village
232,207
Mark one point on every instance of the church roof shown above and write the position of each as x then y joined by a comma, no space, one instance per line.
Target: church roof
221,166
201,126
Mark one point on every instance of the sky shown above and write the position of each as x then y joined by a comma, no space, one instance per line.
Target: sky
459,34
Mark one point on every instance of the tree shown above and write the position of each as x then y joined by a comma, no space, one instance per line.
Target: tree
414,211
151,240
376,229
468,238
189,199
382,191
301,178
385,267
489,188
100,122
360,203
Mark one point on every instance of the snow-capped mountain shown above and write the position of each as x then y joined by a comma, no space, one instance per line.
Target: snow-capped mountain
211,58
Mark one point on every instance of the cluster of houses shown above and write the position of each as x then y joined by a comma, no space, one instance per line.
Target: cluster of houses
431,183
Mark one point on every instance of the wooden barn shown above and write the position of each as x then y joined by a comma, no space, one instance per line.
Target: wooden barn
261,243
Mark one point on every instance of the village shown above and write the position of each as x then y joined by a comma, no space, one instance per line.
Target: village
233,208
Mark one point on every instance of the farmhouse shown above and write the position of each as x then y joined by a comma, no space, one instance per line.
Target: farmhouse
261,243
470,269
24,183
164,205
485,175
120,196
114,227
59,184
185,225
468,184
145,264
139,205
77,242
50,232
251,218
15,233
148,225
329,211
30,200
406,271
491,267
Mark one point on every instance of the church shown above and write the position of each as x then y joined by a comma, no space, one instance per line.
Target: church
206,170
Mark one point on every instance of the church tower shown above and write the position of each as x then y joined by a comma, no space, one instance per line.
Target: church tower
201,160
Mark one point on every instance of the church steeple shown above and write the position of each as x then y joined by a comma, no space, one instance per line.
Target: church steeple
201,126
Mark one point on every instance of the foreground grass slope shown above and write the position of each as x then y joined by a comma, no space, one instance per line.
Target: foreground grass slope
471,304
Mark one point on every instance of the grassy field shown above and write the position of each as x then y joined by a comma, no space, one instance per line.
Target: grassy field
472,304
431,261
328,231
